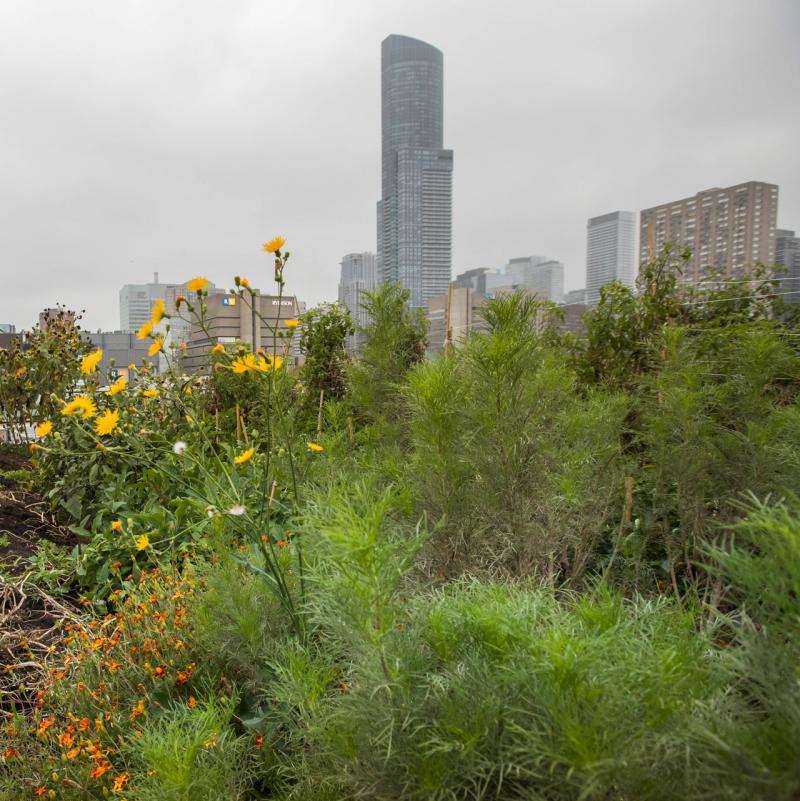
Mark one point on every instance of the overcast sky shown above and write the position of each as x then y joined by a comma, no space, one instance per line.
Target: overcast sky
144,135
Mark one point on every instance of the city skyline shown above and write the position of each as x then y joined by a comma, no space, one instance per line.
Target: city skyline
131,147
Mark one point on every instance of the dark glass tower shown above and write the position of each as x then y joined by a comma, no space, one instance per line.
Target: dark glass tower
415,210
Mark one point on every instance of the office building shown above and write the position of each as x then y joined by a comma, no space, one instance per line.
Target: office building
544,277
136,304
7,328
610,252
728,231
787,264
415,210
229,320
358,275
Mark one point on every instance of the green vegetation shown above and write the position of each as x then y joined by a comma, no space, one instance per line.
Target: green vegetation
533,567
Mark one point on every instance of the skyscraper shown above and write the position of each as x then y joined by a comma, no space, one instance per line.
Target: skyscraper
610,252
415,210
543,276
358,275
729,231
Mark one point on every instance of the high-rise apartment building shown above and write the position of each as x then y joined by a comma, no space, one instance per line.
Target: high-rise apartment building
415,209
787,262
544,277
729,231
610,252
358,275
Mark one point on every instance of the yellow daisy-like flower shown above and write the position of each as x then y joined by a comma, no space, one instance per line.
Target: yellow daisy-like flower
218,348
157,345
312,446
291,324
132,366
150,393
244,282
118,386
82,404
145,330
90,361
241,364
244,456
274,245
157,312
197,284
20,372
43,429
142,542
116,525
107,422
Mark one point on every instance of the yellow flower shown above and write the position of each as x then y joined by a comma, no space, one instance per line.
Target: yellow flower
312,446
150,393
157,345
275,361
145,330
116,525
90,361
245,456
43,429
274,245
107,422
21,372
118,385
157,312
131,366
291,324
142,542
81,404
197,284
244,282
218,348
241,364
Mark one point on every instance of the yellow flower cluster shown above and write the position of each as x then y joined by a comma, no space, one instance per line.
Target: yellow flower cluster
251,363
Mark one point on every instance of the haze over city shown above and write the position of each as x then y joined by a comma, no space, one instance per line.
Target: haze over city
142,137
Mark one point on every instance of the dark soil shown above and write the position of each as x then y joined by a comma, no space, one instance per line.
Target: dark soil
29,622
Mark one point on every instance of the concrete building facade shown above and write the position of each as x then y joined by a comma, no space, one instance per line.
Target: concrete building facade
610,252
414,214
229,319
729,231
120,349
358,274
787,264
451,316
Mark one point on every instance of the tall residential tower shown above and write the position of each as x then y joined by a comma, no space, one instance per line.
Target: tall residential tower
610,252
415,209
729,231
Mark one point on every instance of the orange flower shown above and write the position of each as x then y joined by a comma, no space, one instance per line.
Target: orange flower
120,782
184,675
259,740
160,671
73,753
137,710
39,791
274,245
66,739
83,724
9,753
44,726
191,702
99,769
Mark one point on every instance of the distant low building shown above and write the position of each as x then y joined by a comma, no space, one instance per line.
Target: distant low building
574,296
452,316
120,349
545,277
7,328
